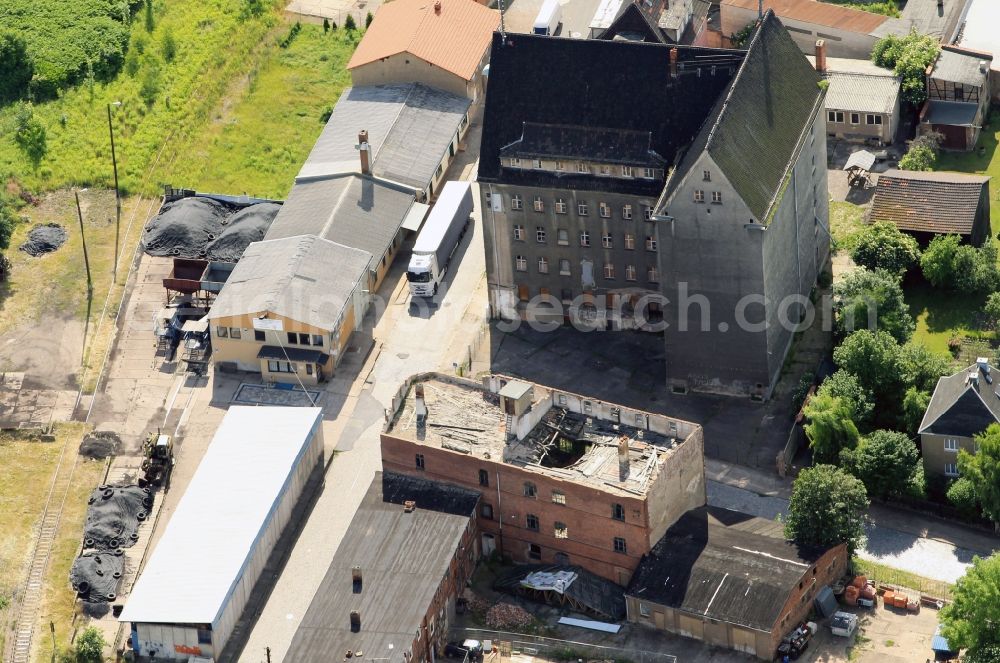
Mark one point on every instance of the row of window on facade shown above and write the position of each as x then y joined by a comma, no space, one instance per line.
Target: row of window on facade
837,117
610,272
584,167
535,551
582,208
275,366
562,238
293,338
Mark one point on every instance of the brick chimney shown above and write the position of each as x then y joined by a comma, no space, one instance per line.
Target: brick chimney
673,63
821,56
366,152
623,459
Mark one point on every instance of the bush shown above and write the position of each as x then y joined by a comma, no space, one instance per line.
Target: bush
16,66
962,494
326,24
290,37
802,390
873,300
148,20
875,358
992,310
5,267
923,367
882,246
253,9
827,507
30,135
923,153
740,39
169,46
915,404
7,224
885,461
845,386
830,429
149,89
349,23
949,264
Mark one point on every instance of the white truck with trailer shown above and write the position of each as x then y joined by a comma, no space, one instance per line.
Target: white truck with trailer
548,19
438,239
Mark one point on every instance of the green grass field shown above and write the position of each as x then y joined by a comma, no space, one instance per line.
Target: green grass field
985,159
941,316
214,47
258,145
846,221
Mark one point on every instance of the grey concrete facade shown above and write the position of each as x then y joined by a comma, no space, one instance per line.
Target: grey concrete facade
586,242
737,285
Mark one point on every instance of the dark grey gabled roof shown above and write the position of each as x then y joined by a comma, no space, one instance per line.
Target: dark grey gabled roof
564,141
754,130
724,565
962,407
632,20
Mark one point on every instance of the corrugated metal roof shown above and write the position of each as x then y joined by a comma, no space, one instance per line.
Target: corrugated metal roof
960,66
864,93
451,34
403,558
358,212
292,277
212,533
957,113
818,13
410,127
928,201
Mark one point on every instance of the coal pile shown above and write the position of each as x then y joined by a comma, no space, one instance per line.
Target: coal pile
44,238
96,575
248,225
199,227
184,228
114,515
99,444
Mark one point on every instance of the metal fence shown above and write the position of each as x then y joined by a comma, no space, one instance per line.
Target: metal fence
555,649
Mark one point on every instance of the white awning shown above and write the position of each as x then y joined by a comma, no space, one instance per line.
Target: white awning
861,159
415,217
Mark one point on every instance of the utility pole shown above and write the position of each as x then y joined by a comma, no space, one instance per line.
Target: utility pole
118,199
83,238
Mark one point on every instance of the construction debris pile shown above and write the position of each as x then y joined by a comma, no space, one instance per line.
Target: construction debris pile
98,445
507,617
44,238
114,515
199,227
95,576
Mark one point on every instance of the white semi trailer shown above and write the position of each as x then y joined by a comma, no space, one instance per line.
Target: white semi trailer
438,239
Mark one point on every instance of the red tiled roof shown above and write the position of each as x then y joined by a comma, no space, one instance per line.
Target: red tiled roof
451,34
928,202
820,13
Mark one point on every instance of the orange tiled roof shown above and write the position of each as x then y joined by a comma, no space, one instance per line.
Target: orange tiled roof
451,34
820,13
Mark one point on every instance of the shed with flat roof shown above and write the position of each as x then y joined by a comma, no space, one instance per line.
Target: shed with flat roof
199,578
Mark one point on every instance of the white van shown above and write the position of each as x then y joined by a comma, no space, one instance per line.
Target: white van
548,19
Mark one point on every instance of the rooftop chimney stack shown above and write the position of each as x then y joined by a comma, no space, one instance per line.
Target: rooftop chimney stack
366,152
673,63
623,458
821,56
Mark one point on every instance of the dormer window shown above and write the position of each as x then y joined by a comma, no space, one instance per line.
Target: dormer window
649,173
515,162
626,171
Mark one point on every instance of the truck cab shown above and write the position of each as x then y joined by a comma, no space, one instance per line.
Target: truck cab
423,275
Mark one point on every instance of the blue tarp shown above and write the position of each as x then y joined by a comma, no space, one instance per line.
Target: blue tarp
938,643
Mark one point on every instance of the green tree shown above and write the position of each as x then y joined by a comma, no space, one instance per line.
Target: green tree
30,135
972,620
909,57
845,387
922,367
253,8
983,470
7,224
169,46
741,39
90,646
915,404
875,359
984,654
830,429
992,310
962,494
922,153
882,246
827,508
873,300
326,24
885,461
349,23
368,19
947,263
148,19
16,66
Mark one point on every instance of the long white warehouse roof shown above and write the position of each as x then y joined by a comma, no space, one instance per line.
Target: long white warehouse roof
224,510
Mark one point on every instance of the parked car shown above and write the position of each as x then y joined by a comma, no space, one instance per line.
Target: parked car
473,648
843,624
